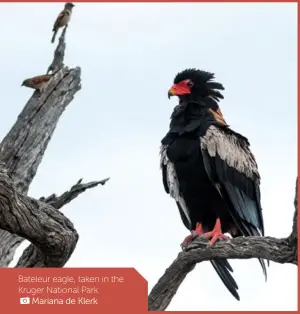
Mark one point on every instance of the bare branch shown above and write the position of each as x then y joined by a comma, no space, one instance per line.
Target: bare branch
273,249
59,201
23,147
294,235
46,228
59,54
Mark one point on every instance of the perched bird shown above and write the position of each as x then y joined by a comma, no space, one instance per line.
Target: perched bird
39,83
63,19
209,169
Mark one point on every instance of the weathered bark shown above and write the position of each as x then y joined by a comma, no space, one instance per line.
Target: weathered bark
293,238
52,234
59,54
32,257
21,151
23,147
277,250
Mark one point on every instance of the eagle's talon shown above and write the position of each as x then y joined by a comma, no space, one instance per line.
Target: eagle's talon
194,233
216,234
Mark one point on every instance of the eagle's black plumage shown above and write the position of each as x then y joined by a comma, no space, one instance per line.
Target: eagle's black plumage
208,168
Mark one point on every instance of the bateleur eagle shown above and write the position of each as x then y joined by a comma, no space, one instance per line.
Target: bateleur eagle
209,169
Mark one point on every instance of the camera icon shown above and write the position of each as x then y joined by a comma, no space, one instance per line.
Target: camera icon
25,300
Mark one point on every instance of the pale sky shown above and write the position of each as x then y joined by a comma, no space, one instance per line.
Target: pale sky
129,55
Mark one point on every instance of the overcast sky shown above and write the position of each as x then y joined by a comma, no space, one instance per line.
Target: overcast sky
129,55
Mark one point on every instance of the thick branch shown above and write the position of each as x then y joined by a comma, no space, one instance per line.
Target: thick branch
23,147
47,229
276,250
33,257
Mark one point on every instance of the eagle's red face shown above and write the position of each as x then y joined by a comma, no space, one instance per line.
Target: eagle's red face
181,88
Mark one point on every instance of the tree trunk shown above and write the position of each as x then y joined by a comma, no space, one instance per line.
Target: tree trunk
52,235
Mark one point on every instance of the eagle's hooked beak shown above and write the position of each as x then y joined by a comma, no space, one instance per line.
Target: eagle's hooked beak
171,92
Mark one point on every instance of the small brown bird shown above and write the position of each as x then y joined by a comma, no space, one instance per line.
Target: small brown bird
39,82
63,19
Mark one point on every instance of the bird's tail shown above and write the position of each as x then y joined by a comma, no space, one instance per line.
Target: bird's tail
54,35
254,232
223,269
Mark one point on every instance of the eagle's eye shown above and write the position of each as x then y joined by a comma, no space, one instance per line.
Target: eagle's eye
189,83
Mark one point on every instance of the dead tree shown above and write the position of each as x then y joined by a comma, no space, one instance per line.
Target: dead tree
276,250
52,235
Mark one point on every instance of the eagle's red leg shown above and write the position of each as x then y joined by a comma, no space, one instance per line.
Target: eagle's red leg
190,237
216,233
